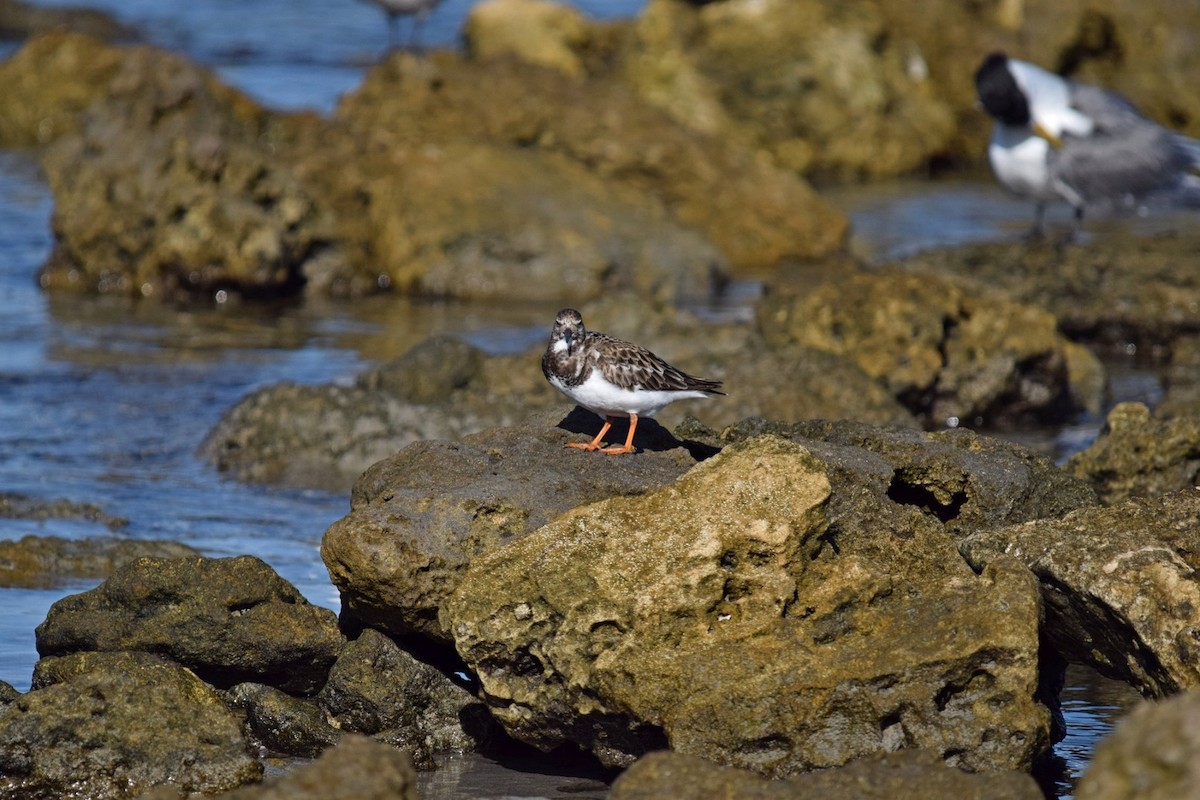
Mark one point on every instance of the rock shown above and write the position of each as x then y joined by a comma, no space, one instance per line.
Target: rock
1152,754
230,620
326,436
540,32
755,214
356,769
887,776
725,616
284,724
45,561
1137,456
1182,380
1119,586
418,517
823,87
172,187
964,481
378,689
8,695
62,669
1116,291
19,506
946,354
19,20
118,731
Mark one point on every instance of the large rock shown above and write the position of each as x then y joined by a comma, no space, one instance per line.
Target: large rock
1153,754
172,187
419,517
229,620
1138,456
909,774
948,354
1119,585
119,728
753,212
824,87
725,615
44,561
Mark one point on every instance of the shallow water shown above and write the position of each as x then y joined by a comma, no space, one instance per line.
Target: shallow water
104,401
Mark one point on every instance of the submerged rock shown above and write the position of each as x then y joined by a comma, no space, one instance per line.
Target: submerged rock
1138,456
887,776
776,641
44,561
1152,754
121,728
1119,586
19,506
230,620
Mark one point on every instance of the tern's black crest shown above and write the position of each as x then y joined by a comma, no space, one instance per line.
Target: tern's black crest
999,93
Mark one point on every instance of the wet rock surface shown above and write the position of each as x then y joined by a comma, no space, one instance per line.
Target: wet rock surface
1151,754
283,723
419,517
896,643
44,561
122,728
229,620
1119,586
903,774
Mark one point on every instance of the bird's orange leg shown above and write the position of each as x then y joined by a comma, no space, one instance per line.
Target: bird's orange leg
628,448
594,444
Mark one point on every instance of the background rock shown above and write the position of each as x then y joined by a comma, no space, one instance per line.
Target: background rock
43,561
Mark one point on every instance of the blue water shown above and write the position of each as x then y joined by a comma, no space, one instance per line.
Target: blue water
105,401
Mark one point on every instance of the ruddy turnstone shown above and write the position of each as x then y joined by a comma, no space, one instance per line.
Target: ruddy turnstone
613,378
1056,139
419,10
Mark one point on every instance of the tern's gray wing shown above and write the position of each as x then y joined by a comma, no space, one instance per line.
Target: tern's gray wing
1126,154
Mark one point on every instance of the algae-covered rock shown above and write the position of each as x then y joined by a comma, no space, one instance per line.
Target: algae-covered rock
908,774
42,561
726,616
294,726
229,620
1136,455
1153,753
1119,586
116,730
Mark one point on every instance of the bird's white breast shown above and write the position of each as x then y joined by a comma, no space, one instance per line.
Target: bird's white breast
607,399
1018,157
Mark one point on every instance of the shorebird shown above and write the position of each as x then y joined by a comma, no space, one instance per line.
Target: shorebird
1055,139
613,378
419,10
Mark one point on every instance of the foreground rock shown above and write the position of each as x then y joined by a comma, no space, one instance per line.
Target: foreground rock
1119,586
905,773
120,728
947,354
874,630
1152,754
44,561
419,517
1138,456
229,620
356,769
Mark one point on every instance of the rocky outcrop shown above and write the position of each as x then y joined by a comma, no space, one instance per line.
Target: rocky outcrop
1152,754
905,773
419,517
1119,586
777,640
19,506
947,354
19,20
1136,455
229,620
119,728
44,561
